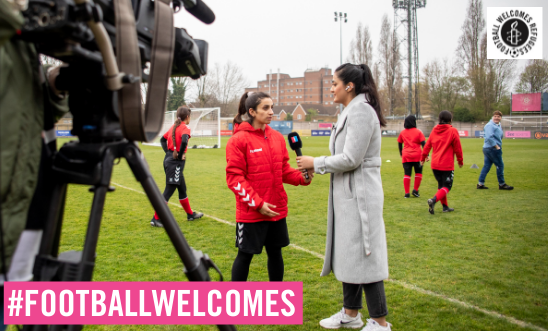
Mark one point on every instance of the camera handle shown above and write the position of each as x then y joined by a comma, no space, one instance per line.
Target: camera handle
92,164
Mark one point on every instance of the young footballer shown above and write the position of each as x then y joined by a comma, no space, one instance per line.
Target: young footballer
175,142
412,140
257,167
445,142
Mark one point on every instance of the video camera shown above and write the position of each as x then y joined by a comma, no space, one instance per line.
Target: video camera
104,88
59,30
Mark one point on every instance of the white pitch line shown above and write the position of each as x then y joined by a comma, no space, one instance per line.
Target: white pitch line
412,287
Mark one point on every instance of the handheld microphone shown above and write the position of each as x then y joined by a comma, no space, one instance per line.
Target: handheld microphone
296,144
200,10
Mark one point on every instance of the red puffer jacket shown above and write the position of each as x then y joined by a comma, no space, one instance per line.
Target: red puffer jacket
257,166
444,140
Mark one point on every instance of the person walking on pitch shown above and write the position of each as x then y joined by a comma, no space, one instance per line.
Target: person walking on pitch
412,140
445,144
174,143
492,152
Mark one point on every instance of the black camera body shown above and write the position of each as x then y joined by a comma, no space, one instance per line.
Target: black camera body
59,30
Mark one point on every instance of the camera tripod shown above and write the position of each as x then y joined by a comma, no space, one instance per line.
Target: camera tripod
90,161
92,164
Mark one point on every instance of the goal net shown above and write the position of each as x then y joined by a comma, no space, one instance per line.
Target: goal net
205,127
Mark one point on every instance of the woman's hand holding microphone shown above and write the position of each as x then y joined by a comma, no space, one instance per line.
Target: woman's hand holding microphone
306,163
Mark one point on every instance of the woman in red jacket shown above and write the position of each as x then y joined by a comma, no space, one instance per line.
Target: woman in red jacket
412,140
445,142
257,166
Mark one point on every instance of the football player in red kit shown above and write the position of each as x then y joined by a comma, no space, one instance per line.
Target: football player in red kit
412,140
174,143
445,143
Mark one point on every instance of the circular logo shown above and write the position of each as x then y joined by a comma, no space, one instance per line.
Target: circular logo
526,100
514,33
538,135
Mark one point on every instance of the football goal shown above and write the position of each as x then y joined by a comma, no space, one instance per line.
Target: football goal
205,127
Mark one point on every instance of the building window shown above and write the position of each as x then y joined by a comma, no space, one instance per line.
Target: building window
299,116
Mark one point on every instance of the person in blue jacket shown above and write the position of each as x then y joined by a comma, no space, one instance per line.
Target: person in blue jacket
492,152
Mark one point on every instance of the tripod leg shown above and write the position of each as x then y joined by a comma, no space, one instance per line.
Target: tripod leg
52,229
92,235
140,170
196,270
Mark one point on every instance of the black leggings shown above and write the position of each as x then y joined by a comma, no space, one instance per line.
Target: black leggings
170,189
240,268
408,168
374,296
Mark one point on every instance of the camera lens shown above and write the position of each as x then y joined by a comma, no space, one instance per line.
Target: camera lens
43,19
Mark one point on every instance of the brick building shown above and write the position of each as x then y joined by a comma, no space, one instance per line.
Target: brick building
299,112
313,89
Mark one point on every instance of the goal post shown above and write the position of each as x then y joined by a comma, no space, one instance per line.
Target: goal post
205,127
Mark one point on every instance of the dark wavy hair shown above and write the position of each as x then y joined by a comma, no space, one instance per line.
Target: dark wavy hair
360,75
182,113
249,100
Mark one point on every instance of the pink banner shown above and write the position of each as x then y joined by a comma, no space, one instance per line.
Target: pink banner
526,102
124,303
517,134
325,125
463,133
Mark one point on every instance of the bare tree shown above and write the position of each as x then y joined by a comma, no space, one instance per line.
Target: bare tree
472,55
389,60
443,86
228,83
534,77
503,71
361,47
204,91
376,71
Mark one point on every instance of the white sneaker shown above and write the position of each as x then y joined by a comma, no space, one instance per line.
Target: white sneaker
341,320
374,326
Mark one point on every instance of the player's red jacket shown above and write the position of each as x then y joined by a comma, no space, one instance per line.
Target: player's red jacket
257,166
445,142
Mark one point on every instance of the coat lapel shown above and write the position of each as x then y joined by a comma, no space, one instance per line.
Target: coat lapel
342,120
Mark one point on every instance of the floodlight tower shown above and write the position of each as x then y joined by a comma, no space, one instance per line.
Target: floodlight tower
340,18
405,30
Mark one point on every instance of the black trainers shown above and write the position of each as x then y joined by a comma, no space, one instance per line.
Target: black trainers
156,223
505,187
431,204
194,216
416,194
406,195
481,187
446,209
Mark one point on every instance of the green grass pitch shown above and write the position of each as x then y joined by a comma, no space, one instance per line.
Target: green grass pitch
492,252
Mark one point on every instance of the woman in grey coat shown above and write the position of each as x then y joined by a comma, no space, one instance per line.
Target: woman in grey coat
356,241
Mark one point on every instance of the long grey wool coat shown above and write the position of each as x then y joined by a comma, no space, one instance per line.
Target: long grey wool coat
356,240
